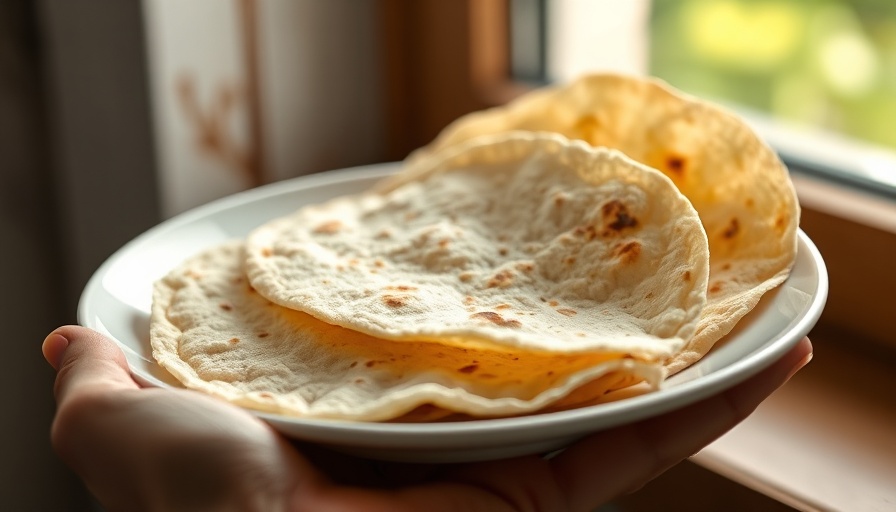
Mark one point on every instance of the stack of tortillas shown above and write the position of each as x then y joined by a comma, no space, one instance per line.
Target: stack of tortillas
507,269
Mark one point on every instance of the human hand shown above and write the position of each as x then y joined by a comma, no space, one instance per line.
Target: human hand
161,449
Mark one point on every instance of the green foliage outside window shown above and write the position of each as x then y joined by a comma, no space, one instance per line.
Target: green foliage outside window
826,63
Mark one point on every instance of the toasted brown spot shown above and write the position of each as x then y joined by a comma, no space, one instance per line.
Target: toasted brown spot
267,252
732,229
715,288
225,306
570,260
469,300
589,232
465,277
559,199
443,243
470,368
495,318
553,303
525,266
588,128
234,341
567,312
379,263
385,233
628,252
193,274
394,301
618,216
502,306
687,275
354,363
370,364
263,335
265,394
328,228
780,222
675,164
749,203
502,279
401,288
503,251
726,266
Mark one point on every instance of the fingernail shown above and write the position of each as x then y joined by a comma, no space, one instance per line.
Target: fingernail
799,366
54,349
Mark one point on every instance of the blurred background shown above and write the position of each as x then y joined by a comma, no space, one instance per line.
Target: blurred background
117,115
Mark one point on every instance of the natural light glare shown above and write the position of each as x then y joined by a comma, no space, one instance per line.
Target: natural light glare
849,63
759,36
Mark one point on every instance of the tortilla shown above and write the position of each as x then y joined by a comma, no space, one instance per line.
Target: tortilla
216,334
735,181
520,241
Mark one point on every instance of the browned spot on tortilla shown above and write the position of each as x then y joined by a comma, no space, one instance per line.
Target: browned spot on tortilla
495,318
225,306
687,275
411,215
465,277
469,300
559,199
780,222
384,234
443,243
567,312
715,287
267,252
503,251
328,228
379,263
370,364
470,368
732,229
394,301
502,279
588,128
502,306
263,335
676,164
401,287
525,266
649,295
628,252
589,232
749,203
553,303
571,260
265,394
354,363
617,216
234,341
193,274
726,266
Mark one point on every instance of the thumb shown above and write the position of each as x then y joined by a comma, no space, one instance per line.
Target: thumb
86,361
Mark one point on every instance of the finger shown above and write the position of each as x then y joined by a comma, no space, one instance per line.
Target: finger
86,361
620,460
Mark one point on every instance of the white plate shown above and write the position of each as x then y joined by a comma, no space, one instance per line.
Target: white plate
117,302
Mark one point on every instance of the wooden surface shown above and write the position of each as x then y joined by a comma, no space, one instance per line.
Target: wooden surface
827,439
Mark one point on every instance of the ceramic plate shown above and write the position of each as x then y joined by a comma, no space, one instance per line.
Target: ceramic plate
117,302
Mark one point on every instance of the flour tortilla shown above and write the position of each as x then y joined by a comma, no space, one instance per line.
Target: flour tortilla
736,182
521,241
213,332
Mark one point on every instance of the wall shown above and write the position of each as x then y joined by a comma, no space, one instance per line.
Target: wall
95,147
